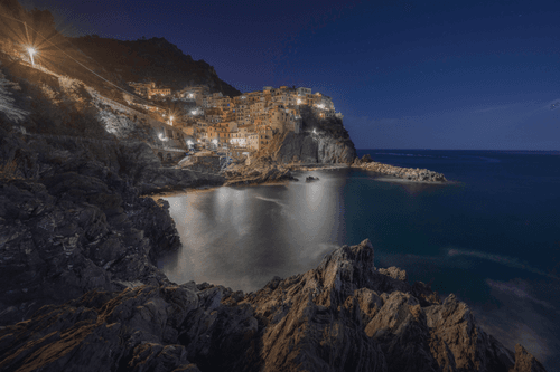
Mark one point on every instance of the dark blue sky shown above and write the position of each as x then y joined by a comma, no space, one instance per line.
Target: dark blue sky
406,74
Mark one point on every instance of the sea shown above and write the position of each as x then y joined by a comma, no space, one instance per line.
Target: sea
491,235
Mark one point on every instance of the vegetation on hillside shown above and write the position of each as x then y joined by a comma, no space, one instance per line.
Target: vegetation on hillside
154,59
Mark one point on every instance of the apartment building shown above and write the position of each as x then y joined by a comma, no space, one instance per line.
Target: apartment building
302,91
160,91
222,132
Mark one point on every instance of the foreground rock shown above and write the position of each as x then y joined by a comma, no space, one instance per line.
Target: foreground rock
345,315
418,175
72,219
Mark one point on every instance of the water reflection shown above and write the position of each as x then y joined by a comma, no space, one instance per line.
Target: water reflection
242,237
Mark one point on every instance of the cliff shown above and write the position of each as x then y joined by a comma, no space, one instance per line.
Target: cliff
72,218
345,315
314,148
321,141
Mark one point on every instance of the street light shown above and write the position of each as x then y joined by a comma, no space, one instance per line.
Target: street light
171,119
32,52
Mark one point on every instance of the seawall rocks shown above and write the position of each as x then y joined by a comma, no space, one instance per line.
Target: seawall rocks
418,175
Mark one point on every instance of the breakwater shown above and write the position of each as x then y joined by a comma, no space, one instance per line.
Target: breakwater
417,175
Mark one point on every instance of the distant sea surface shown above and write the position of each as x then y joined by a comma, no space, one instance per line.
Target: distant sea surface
491,236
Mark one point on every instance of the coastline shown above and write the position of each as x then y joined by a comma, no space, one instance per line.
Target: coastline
285,325
407,181
83,227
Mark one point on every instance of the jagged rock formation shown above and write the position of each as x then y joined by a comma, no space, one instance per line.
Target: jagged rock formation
343,316
417,175
72,219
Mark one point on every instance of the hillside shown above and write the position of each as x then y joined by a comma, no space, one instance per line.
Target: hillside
101,62
155,58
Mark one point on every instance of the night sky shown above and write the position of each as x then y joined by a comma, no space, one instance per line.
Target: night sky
458,75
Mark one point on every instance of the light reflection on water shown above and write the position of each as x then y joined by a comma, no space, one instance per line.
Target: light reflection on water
241,237
491,238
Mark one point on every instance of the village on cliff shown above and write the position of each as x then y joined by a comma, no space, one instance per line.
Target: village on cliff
239,126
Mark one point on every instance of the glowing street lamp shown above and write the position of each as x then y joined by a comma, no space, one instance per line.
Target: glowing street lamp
171,119
32,52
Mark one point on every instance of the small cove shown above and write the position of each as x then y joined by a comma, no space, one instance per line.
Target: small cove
489,237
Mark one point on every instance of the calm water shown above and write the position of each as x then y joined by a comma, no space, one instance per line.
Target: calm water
492,237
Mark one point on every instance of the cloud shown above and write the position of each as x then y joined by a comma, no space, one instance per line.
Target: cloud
504,260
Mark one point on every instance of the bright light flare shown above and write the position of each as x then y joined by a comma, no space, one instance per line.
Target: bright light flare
32,51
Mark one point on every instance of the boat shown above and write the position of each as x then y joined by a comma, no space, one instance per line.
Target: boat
309,179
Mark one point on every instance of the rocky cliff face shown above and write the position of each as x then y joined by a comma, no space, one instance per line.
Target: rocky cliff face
345,315
72,219
322,140
314,148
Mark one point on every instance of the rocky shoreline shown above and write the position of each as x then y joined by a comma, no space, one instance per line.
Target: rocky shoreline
415,175
81,290
249,175
73,219
345,315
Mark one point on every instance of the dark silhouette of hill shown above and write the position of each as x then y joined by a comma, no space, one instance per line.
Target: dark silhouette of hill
118,61
154,59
